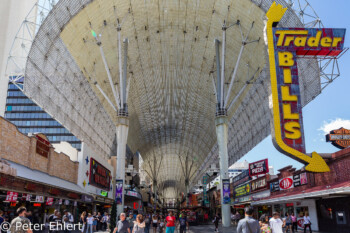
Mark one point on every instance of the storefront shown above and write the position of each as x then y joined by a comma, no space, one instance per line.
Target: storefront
334,214
133,201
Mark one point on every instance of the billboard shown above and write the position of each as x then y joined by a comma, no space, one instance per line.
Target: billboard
339,138
119,192
99,175
259,184
259,167
242,190
285,45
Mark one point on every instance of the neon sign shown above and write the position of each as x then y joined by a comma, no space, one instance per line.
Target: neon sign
284,46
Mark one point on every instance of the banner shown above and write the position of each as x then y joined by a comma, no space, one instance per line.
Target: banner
275,186
258,168
205,195
119,192
39,199
11,196
226,191
49,201
286,183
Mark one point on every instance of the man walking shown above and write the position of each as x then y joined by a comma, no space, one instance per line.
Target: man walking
20,224
276,224
248,224
122,225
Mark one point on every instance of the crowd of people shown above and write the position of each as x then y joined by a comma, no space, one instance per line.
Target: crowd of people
155,223
94,222
275,224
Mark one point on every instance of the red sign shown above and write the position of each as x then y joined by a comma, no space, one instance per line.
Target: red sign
36,204
259,168
289,204
99,175
42,145
286,183
136,205
11,196
49,201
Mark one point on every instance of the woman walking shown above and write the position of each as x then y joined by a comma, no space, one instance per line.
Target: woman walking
155,223
307,222
294,223
139,225
216,222
82,220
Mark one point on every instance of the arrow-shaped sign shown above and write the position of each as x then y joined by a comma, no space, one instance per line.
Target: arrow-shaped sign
284,46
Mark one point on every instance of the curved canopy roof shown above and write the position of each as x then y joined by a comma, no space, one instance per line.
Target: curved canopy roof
171,71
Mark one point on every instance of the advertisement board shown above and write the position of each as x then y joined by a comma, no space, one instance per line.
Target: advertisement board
242,190
300,179
241,178
339,138
99,175
286,183
258,168
275,186
226,192
11,196
259,184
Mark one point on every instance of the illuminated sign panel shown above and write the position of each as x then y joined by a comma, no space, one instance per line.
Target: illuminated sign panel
99,175
284,46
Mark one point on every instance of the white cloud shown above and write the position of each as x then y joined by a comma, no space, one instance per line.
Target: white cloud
334,124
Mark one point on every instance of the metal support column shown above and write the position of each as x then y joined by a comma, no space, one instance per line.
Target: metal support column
122,136
155,190
187,185
222,135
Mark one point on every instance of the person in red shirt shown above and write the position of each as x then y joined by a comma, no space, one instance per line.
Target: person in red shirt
170,223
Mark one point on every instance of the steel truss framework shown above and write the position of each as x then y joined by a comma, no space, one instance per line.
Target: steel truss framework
172,120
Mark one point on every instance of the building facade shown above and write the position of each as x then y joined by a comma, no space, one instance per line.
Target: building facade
30,118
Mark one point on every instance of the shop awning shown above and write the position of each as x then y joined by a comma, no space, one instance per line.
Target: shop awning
41,177
337,189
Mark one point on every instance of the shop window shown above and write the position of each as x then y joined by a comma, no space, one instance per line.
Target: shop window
341,219
301,211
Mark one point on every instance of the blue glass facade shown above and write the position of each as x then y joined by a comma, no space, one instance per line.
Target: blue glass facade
30,118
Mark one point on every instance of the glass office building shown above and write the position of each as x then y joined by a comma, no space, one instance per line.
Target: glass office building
30,118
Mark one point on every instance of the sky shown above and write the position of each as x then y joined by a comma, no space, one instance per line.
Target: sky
331,109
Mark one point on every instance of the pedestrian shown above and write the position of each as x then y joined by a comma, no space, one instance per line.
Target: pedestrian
139,224
307,222
248,224
147,223
122,225
276,223
67,221
170,222
265,225
288,222
161,224
58,227
294,223
154,223
183,223
104,221
1,221
82,221
99,221
108,222
131,220
90,223
94,223
20,224
216,222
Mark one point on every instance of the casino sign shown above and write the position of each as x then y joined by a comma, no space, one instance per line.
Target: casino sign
339,138
285,46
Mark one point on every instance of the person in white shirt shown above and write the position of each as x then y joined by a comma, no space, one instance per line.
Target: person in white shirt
276,224
307,222
90,221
